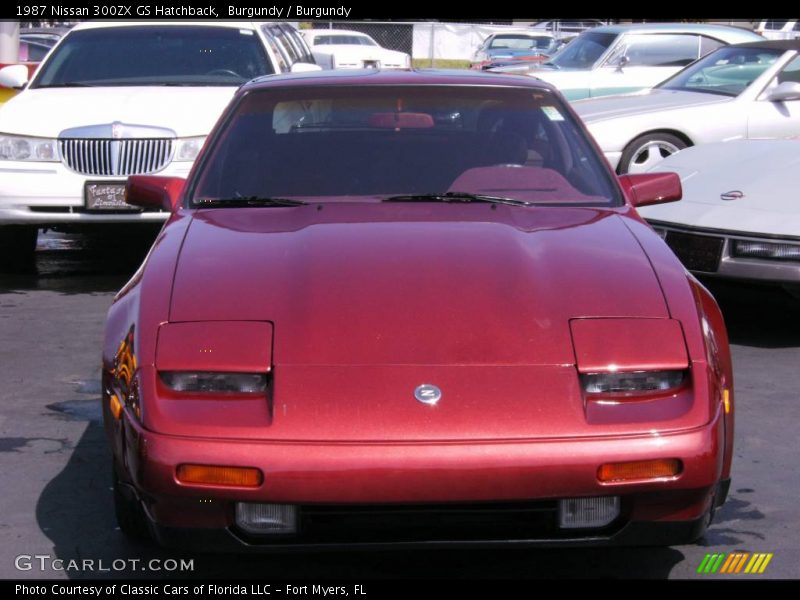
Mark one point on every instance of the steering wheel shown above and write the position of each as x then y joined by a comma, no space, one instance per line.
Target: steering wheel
229,72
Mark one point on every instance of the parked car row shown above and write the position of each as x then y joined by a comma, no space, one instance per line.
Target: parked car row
619,59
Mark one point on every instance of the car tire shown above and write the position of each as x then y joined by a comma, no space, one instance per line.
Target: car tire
17,245
648,150
129,512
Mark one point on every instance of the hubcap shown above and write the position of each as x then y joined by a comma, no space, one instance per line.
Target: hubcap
651,154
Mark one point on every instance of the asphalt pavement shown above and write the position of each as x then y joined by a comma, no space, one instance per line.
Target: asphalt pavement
55,465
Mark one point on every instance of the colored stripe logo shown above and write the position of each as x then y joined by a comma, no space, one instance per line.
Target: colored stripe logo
735,563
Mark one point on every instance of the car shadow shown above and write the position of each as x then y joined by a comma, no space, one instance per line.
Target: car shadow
79,264
759,316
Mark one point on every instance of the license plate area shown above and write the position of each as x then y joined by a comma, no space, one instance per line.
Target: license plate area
696,252
106,196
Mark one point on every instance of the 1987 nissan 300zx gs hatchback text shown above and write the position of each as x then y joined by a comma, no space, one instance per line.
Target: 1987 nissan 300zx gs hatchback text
412,308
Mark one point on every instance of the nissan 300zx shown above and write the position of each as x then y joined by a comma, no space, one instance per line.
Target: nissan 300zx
410,307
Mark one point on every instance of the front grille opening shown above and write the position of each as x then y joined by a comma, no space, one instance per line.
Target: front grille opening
354,524
113,157
696,252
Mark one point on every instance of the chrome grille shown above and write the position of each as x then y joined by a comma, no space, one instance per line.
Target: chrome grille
116,157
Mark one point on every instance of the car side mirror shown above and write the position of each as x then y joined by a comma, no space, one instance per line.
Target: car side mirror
788,90
645,189
621,62
14,76
304,67
148,191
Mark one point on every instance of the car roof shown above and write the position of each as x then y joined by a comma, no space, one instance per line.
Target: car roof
371,77
713,30
773,45
531,32
108,24
333,32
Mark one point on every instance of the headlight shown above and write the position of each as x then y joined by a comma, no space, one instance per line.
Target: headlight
628,383
187,149
770,250
15,147
210,382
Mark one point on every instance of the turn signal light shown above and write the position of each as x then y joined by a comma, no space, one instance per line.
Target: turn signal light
115,405
214,475
640,469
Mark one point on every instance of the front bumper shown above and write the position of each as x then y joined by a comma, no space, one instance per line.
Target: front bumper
49,194
376,476
730,266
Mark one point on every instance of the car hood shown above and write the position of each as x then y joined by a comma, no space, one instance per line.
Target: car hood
391,284
47,112
766,172
592,110
499,53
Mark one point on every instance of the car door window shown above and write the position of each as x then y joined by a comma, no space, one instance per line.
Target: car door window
277,52
658,50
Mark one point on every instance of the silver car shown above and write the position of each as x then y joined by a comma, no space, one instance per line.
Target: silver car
736,92
740,213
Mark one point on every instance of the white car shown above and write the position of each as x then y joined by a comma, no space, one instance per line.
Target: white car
618,59
115,99
345,49
736,92
779,29
740,213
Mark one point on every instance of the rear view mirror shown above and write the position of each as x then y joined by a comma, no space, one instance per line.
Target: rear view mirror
148,191
645,189
401,120
14,76
788,90
304,67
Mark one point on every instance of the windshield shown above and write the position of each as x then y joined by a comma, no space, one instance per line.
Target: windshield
155,55
727,71
583,51
520,42
373,142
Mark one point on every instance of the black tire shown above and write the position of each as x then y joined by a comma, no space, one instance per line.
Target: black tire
129,512
17,245
646,150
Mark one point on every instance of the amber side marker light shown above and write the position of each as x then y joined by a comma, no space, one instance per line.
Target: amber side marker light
640,469
726,400
115,405
215,475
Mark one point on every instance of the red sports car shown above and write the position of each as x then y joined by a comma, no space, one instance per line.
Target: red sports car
412,308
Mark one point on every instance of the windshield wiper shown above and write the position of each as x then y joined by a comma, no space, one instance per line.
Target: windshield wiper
239,202
68,84
457,197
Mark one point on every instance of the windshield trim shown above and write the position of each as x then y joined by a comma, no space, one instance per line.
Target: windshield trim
616,200
201,28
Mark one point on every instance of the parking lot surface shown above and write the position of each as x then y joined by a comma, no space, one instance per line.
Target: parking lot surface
55,466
